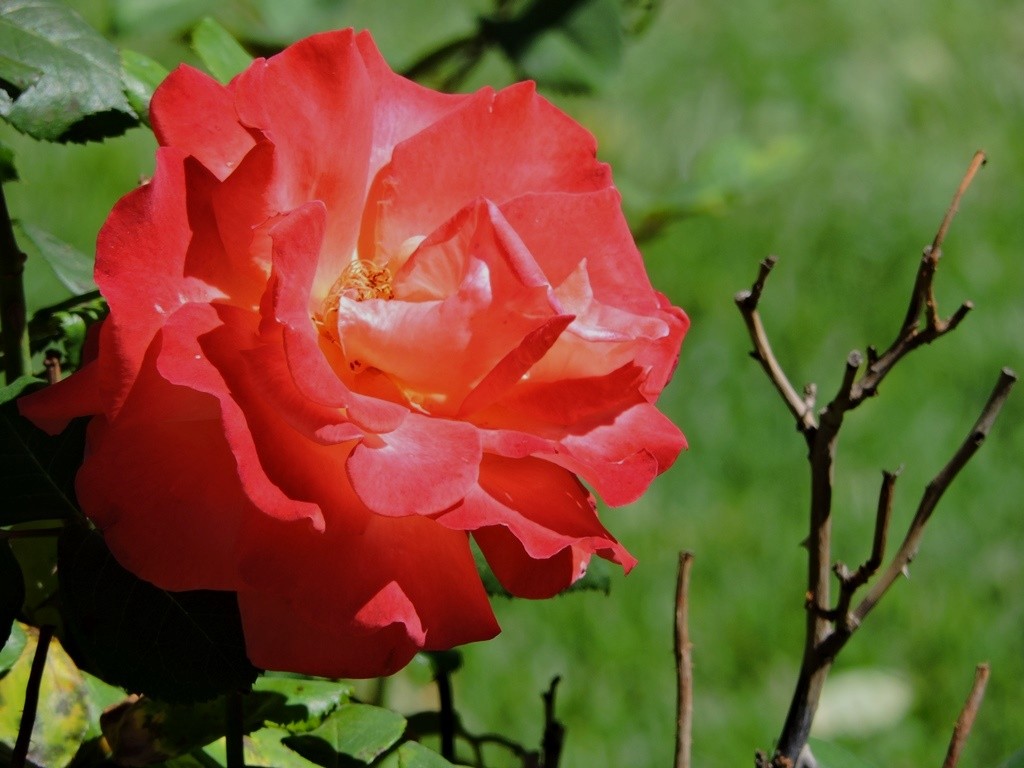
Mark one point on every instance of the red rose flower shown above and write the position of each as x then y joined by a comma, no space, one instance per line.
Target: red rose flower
353,321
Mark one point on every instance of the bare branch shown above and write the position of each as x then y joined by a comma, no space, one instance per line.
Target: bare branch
554,731
28,712
827,628
684,664
965,722
922,300
934,491
747,303
850,582
977,162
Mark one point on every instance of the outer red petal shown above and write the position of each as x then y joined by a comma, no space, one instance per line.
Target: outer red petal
360,605
496,146
544,507
525,576
196,114
138,485
202,350
141,268
401,107
322,140
53,407
621,457
536,524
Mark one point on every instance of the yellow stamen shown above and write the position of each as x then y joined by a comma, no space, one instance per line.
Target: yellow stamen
360,280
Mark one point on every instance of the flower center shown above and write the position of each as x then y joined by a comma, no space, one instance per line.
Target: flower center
360,280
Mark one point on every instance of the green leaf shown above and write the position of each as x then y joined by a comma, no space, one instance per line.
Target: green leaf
264,748
298,704
220,52
571,45
831,755
62,718
177,646
37,471
7,170
638,15
62,80
354,730
72,267
141,76
101,697
415,755
13,647
12,590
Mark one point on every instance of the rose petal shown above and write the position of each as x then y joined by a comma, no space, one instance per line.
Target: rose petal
525,576
140,267
322,141
620,457
422,467
594,223
402,108
508,144
297,240
369,601
569,402
180,448
202,350
53,407
194,113
471,295
543,505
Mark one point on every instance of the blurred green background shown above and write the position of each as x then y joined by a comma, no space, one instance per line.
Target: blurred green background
832,134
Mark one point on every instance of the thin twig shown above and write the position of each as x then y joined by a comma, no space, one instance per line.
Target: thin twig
446,711
554,731
977,161
934,491
965,722
234,739
684,664
747,303
922,299
850,582
52,365
28,714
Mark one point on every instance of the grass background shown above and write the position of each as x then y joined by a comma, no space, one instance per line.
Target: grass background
832,134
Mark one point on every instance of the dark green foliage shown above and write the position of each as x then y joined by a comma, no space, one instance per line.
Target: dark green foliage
571,45
12,591
177,646
60,79
37,471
